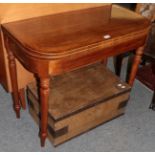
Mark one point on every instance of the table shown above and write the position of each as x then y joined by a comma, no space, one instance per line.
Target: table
54,44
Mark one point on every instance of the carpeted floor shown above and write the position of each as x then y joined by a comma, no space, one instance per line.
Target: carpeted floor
134,131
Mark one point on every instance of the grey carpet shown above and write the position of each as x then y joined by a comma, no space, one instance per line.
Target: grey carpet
134,131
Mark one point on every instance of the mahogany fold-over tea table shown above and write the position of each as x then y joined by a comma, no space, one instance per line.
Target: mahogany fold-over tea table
54,44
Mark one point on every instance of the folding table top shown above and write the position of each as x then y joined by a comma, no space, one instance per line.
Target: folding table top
71,32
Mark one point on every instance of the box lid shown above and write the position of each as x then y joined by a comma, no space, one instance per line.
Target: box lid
81,89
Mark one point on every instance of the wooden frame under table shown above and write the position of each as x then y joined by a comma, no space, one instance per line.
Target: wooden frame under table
54,44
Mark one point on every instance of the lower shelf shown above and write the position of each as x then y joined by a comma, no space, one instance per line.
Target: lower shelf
80,100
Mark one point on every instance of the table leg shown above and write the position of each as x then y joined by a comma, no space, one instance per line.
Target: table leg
105,61
129,66
44,96
118,64
13,76
22,98
136,62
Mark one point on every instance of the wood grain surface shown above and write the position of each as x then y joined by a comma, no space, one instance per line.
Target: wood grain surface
60,35
10,12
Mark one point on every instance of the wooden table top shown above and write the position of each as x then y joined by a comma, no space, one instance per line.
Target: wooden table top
59,35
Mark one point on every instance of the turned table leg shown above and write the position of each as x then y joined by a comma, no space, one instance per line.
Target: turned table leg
22,98
104,61
136,62
118,64
13,76
129,66
44,96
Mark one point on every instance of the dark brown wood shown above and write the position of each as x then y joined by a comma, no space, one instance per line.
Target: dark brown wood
146,75
118,64
55,44
22,98
12,68
129,65
136,62
58,133
122,104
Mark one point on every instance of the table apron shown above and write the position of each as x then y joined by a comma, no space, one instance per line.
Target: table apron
73,62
